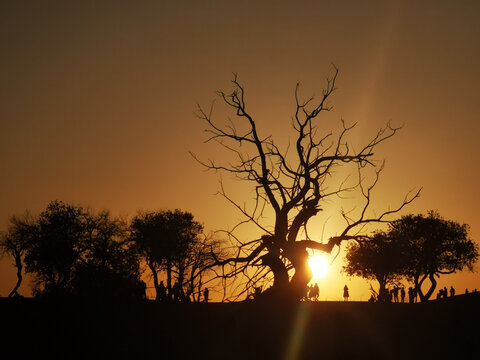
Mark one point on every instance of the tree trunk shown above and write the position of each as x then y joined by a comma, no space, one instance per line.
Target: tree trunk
155,281
383,295
169,279
418,287
180,279
433,285
280,274
19,266
303,274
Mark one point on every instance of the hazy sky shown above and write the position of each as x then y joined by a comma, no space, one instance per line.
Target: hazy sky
97,100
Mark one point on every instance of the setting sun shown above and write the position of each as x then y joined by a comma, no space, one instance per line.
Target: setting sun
319,265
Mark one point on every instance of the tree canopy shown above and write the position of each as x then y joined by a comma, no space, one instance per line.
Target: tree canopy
415,247
378,258
433,246
72,251
171,242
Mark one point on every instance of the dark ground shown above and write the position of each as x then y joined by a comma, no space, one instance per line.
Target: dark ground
77,329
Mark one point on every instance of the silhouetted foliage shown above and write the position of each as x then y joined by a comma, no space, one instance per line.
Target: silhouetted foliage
378,258
171,242
432,246
415,247
71,251
294,185
14,243
110,265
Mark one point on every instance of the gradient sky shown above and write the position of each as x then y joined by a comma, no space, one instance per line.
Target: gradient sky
97,101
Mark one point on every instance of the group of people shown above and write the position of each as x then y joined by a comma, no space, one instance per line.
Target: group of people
176,293
396,291
312,292
397,294
443,293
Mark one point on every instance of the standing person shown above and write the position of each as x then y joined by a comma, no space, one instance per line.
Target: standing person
346,294
309,292
395,293
316,291
402,294
452,291
410,295
205,295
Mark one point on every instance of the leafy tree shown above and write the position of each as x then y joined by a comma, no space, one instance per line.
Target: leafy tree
14,243
291,186
109,265
55,247
416,247
71,251
170,242
378,258
432,246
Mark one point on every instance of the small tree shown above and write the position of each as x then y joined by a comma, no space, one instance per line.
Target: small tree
170,241
55,247
433,246
378,258
14,243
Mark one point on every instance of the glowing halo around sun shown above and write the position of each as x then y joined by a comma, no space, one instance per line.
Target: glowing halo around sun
319,266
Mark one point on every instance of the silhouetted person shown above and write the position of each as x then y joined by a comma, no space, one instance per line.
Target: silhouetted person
309,293
402,294
440,294
395,293
176,291
205,295
316,291
346,294
162,291
445,292
466,291
452,291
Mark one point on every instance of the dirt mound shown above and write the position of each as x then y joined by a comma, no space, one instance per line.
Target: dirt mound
250,330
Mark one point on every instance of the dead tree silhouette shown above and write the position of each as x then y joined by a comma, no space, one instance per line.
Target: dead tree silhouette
291,185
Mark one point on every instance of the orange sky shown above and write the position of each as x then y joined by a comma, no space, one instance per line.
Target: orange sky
97,101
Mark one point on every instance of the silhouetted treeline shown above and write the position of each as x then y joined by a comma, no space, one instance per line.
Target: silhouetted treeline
71,251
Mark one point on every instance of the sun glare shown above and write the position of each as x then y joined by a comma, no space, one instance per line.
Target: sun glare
319,265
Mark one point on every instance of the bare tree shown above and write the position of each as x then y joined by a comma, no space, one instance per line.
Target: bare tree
294,184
